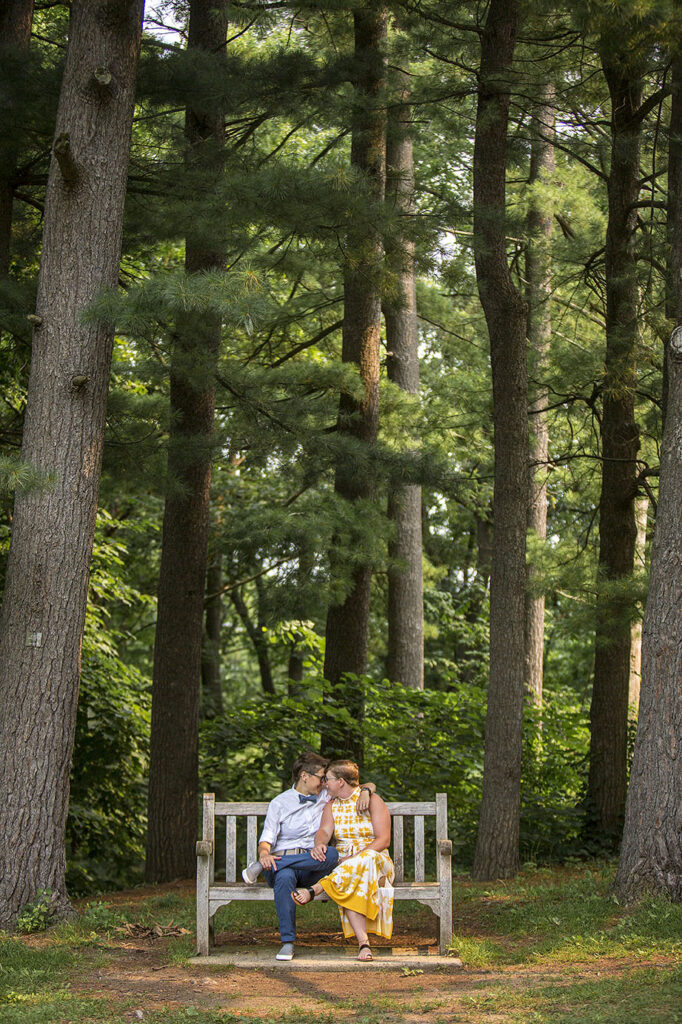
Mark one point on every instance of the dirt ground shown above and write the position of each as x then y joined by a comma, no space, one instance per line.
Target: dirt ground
136,971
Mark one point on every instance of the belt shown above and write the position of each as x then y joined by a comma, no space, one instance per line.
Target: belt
292,852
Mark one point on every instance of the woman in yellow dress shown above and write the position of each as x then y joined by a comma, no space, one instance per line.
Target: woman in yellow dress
362,882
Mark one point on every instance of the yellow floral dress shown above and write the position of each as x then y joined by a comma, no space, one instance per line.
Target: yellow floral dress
364,882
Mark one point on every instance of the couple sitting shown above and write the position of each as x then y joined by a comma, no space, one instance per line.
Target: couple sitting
327,800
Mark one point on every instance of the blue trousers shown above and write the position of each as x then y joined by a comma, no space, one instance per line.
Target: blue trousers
294,870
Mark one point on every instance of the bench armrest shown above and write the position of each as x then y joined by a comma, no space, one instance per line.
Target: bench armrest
204,848
445,847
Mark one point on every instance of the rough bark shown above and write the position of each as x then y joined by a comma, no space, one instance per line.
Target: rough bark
45,596
651,852
620,441
211,689
538,274
405,661
673,296
497,846
348,621
16,17
173,773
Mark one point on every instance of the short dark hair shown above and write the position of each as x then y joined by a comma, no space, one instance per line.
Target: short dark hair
308,762
346,770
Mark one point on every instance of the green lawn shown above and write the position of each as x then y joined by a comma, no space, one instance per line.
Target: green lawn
551,946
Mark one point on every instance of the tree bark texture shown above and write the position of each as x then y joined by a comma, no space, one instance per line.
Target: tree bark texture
497,846
405,662
620,442
211,690
651,851
43,610
16,17
538,275
348,621
673,303
173,773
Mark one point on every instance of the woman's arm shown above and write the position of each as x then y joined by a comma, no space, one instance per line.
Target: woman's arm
381,824
323,834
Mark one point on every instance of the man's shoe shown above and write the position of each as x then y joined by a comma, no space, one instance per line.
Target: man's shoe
251,873
286,952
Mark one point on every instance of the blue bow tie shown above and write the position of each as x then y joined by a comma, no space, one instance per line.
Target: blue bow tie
307,799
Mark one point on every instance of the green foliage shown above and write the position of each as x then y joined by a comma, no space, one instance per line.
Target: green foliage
36,915
107,810
417,743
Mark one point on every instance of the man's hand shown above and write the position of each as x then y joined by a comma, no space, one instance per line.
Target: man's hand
269,860
319,852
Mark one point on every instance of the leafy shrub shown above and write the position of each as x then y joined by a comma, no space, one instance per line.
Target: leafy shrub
36,915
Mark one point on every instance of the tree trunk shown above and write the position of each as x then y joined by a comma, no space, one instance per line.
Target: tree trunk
620,442
173,771
16,18
538,274
45,596
257,637
405,589
651,852
673,293
497,846
634,687
348,621
211,690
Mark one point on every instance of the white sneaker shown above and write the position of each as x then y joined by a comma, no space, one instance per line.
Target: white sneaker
286,952
251,872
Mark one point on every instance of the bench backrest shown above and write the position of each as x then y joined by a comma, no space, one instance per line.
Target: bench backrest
252,811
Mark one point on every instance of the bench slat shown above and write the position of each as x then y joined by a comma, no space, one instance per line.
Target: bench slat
409,807
230,848
398,856
251,837
419,847
254,807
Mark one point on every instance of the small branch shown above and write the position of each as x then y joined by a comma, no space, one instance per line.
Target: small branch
67,165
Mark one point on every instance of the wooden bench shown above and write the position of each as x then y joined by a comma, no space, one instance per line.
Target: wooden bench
211,894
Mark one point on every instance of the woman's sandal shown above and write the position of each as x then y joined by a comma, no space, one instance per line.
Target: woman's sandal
364,959
302,903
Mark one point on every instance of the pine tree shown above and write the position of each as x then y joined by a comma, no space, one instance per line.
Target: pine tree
44,601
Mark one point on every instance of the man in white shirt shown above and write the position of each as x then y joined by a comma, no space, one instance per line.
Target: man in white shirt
285,848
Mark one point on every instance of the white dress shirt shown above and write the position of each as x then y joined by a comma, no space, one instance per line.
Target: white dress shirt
290,823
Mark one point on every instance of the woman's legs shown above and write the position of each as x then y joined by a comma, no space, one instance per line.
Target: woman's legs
358,923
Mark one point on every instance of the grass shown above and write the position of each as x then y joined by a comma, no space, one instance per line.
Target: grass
553,945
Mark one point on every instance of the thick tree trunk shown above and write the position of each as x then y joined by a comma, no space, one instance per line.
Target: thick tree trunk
173,772
16,17
45,596
405,662
211,689
673,294
497,846
538,274
651,852
620,442
348,621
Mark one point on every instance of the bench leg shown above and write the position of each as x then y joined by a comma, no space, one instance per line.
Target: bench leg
445,875
203,922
